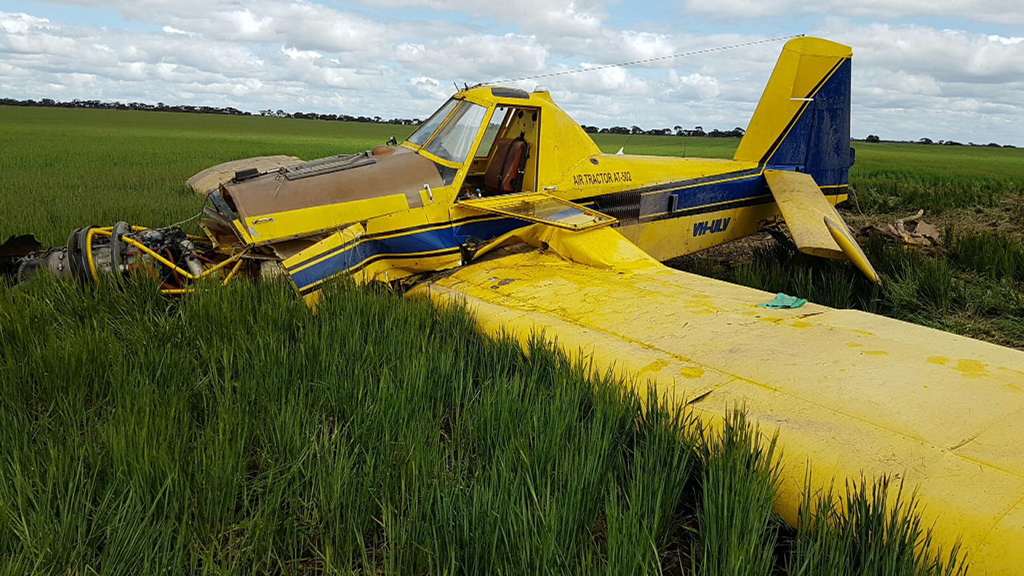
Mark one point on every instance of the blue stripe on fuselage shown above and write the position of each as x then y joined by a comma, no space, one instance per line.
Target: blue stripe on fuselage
486,229
447,238
720,192
426,241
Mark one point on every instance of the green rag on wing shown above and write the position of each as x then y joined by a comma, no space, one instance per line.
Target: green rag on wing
784,301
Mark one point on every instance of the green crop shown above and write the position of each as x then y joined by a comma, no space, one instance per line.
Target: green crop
235,431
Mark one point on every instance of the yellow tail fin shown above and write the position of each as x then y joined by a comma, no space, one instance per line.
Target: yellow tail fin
803,119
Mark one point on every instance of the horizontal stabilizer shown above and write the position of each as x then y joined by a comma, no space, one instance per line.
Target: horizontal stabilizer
816,226
542,208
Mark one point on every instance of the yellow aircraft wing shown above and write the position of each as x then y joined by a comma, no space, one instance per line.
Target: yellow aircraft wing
542,208
849,392
816,226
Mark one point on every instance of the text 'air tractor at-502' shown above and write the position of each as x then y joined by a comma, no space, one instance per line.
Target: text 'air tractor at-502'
850,393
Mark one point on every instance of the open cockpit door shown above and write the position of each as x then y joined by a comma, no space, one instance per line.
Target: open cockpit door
542,208
815,225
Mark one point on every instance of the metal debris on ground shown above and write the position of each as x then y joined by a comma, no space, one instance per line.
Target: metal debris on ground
912,230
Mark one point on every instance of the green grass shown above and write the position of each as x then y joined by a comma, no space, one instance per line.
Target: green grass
864,509
66,168
994,254
234,431
667,145
740,473
908,177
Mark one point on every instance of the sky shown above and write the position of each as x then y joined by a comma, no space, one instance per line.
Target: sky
942,69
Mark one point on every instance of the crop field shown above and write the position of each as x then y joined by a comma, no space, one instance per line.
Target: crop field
234,431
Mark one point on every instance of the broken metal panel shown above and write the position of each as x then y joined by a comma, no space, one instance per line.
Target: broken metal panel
655,203
288,248
214,176
804,207
815,224
401,172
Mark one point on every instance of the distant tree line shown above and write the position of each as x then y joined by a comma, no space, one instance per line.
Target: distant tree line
697,131
675,131
930,142
161,107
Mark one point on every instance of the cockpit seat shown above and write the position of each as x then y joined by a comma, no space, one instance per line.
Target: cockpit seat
504,174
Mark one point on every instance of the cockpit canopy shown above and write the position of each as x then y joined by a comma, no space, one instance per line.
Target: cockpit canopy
488,140
494,139
451,140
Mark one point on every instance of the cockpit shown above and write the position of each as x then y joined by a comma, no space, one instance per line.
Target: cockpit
495,143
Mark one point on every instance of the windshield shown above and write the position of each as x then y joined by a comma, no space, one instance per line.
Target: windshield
454,141
427,128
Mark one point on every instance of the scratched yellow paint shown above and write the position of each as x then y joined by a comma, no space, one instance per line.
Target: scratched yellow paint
851,393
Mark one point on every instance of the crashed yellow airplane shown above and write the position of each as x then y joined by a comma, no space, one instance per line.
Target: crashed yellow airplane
850,393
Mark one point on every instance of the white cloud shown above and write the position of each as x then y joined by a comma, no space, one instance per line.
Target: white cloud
173,30
561,17
704,87
302,55
1002,11
913,81
909,81
474,57
427,88
20,23
1006,41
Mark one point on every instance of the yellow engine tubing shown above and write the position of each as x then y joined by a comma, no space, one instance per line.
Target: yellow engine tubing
88,249
234,270
174,267
233,258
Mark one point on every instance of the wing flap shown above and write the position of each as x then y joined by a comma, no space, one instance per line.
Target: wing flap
542,208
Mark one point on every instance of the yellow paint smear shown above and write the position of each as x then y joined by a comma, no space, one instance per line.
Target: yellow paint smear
971,368
692,372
